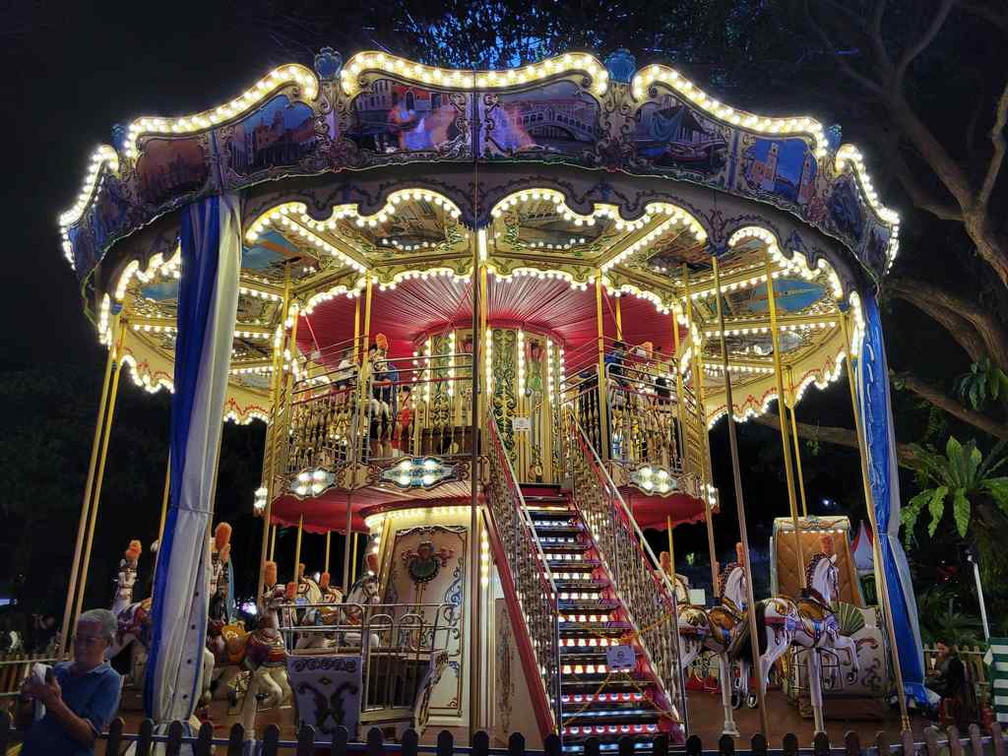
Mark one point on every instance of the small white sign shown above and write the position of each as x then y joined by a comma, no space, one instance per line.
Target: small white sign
521,424
620,658
697,596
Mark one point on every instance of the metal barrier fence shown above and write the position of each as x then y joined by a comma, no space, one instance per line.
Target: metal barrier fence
14,668
935,743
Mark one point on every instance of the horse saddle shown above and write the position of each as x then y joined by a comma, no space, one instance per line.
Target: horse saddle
816,618
728,627
265,647
693,621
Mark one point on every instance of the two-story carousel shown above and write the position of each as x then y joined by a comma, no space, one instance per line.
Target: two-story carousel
489,318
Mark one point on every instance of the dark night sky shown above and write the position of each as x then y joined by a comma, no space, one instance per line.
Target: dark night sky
71,72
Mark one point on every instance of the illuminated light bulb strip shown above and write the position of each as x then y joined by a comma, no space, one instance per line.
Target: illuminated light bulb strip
262,90
529,272
742,330
257,293
798,263
329,294
717,369
849,155
247,418
144,379
168,327
156,264
382,63
103,160
677,216
783,127
293,217
484,560
424,275
650,296
374,521
521,363
451,363
105,321
252,370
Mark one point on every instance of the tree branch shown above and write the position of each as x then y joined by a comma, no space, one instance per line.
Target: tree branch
930,298
942,401
832,435
958,327
921,197
866,82
926,39
997,157
979,9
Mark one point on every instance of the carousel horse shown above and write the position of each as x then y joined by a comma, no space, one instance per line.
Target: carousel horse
809,623
320,615
261,653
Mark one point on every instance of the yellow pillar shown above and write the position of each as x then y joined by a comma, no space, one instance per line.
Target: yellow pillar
782,419
680,391
325,568
605,449
619,318
164,500
794,438
740,504
368,287
880,577
353,564
297,546
86,502
356,332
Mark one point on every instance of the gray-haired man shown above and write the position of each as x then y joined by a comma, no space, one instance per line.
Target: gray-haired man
80,697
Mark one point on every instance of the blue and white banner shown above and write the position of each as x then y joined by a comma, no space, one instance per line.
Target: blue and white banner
207,305
876,415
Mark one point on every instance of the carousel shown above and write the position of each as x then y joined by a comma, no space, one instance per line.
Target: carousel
489,318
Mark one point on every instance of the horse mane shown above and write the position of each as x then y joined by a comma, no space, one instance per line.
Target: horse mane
726,571
812,565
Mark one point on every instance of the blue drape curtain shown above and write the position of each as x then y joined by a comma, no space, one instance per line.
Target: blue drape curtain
210,238
876,414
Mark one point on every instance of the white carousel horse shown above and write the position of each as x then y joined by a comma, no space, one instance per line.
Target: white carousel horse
809,623
322,592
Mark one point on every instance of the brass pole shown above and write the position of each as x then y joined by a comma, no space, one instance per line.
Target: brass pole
358,357
347,578
880,577
740,504
164,500
619,319
680,391
708,475
368,286
272,441
100,477
272,549
794,438
782,419
326,567
86,503
606,447
297,547
671,547
353,564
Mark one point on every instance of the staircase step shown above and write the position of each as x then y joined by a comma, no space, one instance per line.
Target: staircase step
580,584
586,606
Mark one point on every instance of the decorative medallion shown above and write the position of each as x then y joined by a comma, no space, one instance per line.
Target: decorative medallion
654,480
424,563
418,472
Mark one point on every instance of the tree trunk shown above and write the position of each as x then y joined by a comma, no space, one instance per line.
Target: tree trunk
944,402
833,435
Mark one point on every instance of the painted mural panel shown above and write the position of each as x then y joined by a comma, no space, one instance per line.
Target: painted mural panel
427,566
669,134
782,169
559,119
395,118
280,134
168,168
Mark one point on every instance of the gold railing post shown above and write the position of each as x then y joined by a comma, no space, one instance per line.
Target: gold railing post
880,576
100,473
327,539
698,390
603,405
681,395
782,418
165,496
297,548
86,502
794,438
353,563
619,318
740,504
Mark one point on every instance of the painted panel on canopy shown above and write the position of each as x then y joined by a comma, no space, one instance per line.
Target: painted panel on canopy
670,134
172,167
269,254
390,117
280,137
555,120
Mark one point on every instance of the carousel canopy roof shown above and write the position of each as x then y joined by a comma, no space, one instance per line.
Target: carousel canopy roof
499,167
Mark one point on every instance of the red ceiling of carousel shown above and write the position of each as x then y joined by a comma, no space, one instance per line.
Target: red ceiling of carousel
418,306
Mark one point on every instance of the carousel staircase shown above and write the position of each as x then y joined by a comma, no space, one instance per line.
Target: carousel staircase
595,702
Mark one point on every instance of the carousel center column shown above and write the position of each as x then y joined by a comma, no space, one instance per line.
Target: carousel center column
207,307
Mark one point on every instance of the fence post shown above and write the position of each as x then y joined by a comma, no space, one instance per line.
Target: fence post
270,741
955,742
375,742
445,743
174,745
551,745
204,740
975,741
759,744
480,744
340,739
236,740
591,747
821,744
726,745
882,742
516,745
659,746
909,747
997,738
852,744
305,740
114,738
626,746
931,740
143,747
694,746
4,730
410,741
790,744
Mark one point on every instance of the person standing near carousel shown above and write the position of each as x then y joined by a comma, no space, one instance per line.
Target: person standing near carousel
79,697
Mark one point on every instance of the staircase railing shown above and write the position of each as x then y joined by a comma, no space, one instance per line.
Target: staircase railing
642,587
528,585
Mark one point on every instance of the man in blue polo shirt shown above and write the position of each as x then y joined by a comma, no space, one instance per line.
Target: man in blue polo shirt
80,697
